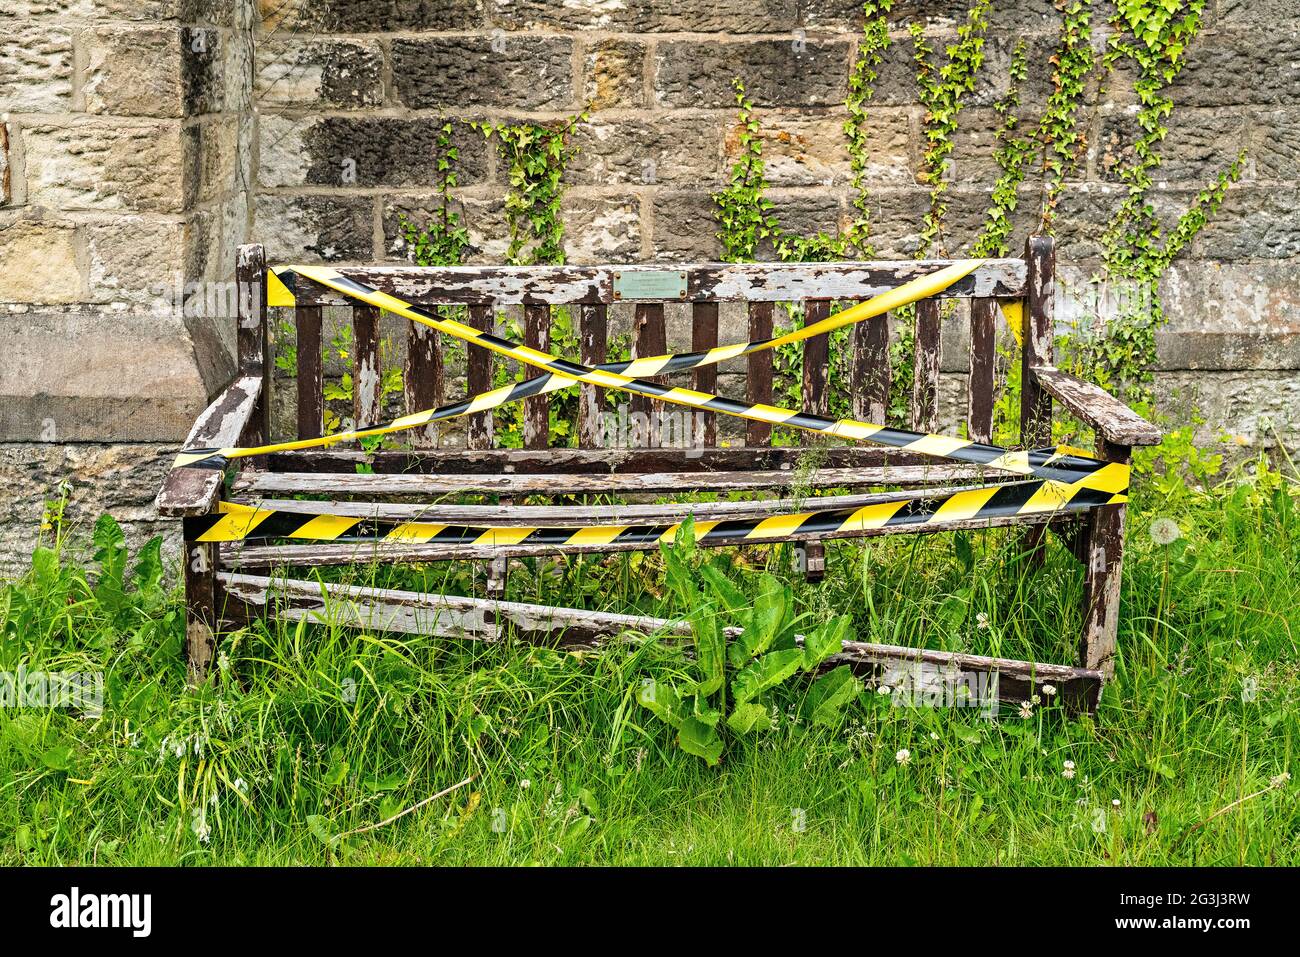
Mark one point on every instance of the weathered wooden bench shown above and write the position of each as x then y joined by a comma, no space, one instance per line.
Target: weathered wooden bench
233,582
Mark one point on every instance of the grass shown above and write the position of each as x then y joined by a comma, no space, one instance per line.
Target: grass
315,731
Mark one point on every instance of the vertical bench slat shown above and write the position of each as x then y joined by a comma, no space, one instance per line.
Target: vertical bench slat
537,410
816,399
704,335
871,377
311,377
979,391
758,375
925,374
816,364
478,375
649,338
423,380
594,338
367,377
1035,403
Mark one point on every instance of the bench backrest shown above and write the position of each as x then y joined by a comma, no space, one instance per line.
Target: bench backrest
589,291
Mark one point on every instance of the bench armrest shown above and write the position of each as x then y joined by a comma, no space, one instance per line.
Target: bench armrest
193,491
1093,405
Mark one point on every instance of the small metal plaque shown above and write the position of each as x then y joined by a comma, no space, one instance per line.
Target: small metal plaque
650,284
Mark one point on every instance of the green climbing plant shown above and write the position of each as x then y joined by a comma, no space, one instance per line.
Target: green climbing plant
1153,35
536,156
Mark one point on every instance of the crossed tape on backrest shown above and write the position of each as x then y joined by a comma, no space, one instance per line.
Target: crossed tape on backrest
1067,478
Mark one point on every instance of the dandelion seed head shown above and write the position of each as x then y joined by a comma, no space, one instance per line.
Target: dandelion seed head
1165,531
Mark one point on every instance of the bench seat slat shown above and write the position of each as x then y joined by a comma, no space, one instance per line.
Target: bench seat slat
429,484
241,555
608,514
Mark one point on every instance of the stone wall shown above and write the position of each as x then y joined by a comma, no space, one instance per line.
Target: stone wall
126,172
143,139
359,86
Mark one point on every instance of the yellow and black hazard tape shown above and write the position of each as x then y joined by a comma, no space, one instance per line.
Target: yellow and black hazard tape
1067,479
235,522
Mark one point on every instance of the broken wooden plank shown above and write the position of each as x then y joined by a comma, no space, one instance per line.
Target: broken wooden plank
423,613
193,491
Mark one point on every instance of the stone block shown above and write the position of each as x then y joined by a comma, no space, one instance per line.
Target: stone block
108,165
35,68
343,74
135,259
600,229
662,16
1237,68
133,70
1200,144
695,73
684,227
346,151
370,16
316,227
522,73
614,74
670,150
139,383
39,262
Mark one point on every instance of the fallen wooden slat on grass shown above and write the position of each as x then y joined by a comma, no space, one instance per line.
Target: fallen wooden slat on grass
914,672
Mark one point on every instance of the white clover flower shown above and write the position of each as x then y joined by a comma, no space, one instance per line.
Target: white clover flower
1067,770
884,689
241,786
1026,709
982,621
1165,531
525,784
1115,803
933,736
904,756
1049,690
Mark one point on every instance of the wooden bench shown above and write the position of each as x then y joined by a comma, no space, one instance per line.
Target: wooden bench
234,582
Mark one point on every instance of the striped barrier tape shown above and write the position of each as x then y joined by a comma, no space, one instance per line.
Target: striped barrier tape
1067,479
235,522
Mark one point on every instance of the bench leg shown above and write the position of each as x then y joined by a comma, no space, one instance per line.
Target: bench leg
810,560
1103,566
497,570
200,609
